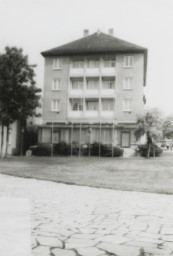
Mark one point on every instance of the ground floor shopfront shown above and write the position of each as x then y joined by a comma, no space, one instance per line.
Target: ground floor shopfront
82,133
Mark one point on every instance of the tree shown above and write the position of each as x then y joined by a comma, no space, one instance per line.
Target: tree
149,124
19,97
167,129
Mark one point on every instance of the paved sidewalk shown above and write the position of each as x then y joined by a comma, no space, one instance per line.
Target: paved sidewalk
15,238
80,221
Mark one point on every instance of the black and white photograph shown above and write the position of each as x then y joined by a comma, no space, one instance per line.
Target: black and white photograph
86,127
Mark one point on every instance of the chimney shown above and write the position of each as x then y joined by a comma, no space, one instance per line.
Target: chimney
111,31
98,32
86,32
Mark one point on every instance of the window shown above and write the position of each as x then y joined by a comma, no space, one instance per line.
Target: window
127,105
55,105
78,64
56,63
128,61
77,104
77,84
92,105
109,63
127,83
56,84
93,84
108,83
93,63
107,104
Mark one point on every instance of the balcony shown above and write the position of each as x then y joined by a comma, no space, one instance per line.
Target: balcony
75,113
108,71
77,72
91,113
107,93
92,72
91,92
76,92
107,113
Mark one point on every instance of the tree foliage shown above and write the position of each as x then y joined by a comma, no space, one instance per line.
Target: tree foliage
150,122
167,128
19,97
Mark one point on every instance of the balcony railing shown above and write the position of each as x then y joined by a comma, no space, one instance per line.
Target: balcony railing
75,113
76,92
107,113
91,113
90,72
108,71
107,92
77,72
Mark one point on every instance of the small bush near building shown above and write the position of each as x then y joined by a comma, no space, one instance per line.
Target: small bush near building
64,149
144,148
106,150
42,149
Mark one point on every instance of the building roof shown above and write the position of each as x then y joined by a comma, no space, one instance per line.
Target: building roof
95,43
98,43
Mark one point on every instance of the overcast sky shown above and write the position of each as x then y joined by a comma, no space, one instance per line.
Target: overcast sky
38,25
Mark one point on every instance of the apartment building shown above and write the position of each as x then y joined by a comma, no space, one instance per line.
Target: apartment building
93,91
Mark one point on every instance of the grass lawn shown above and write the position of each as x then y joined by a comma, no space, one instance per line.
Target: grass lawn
132,174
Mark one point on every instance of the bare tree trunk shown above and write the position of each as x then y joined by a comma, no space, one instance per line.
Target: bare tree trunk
148,151
7,139
154,151
2,139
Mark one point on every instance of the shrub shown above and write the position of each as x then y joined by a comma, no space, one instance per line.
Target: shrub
109,151
105,150
143,148
94,149
75,148
42,149
62,148
86,149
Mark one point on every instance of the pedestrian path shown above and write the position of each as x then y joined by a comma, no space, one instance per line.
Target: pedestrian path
15,238
70,220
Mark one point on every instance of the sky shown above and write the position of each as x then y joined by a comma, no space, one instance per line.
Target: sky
38,25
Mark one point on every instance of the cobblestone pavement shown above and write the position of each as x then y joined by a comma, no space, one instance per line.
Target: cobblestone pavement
81,221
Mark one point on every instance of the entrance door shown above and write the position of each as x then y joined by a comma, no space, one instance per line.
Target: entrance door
125,139
56,136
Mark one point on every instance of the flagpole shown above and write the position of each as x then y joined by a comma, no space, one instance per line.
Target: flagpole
71,139
112,139
100,140
52,141
79,139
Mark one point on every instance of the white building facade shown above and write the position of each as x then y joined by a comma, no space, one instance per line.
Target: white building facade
93,91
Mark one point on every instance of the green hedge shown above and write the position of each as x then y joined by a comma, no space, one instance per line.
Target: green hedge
64,149
143,148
